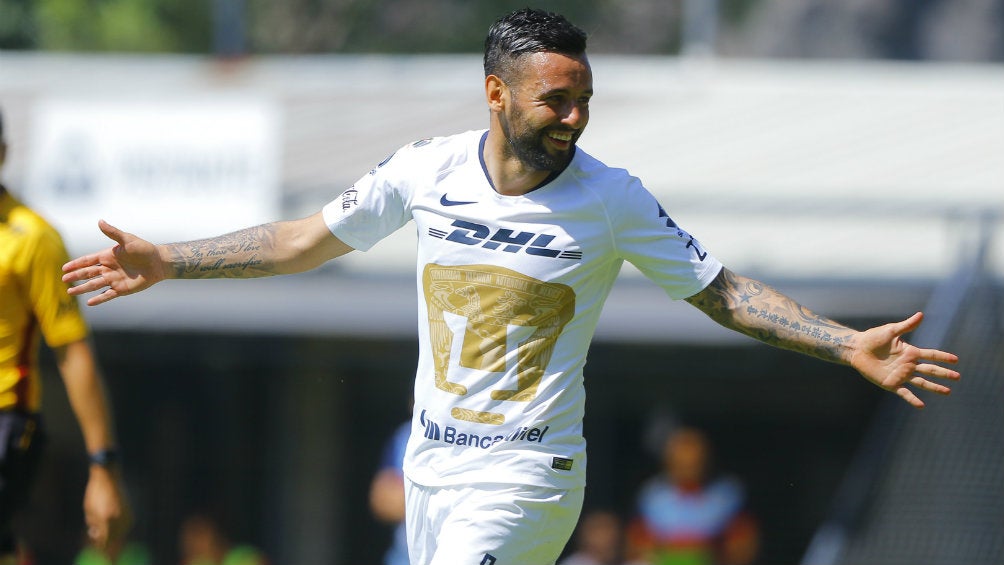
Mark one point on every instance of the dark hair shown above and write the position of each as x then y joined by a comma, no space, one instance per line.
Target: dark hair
529,31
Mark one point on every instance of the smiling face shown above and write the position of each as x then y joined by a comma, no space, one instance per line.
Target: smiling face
545,109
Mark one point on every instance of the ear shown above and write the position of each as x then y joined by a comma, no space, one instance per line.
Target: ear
496,93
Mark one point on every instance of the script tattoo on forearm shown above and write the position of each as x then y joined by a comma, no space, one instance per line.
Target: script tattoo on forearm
239,254
761,312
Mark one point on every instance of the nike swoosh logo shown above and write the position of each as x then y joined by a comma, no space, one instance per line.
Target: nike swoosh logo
447,202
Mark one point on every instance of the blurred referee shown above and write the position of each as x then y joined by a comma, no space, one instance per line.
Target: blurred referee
34,306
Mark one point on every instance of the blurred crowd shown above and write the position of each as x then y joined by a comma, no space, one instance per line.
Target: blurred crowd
201,541
687,514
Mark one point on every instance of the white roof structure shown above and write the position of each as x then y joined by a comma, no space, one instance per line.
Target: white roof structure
788,171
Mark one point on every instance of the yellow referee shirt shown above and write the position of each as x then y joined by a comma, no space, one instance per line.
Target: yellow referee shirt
33,302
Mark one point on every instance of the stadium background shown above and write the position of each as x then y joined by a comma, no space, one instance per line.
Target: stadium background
848,152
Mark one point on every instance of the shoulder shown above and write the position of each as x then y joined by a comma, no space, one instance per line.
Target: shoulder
590,169
613,185
620,195
437,153
34,232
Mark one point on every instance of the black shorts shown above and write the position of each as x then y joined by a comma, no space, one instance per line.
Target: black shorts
21,441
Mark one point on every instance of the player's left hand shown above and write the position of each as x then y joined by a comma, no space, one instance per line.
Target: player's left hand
884,358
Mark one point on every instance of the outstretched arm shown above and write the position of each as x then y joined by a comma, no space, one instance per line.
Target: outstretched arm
134,264
880,354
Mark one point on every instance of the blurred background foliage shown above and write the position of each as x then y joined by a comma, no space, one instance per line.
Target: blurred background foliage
897,29
144,26
310,26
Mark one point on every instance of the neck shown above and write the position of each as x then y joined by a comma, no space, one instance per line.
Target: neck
509,175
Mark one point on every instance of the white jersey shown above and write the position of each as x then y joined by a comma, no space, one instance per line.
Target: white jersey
509,293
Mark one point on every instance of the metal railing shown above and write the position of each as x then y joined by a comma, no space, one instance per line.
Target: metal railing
851,502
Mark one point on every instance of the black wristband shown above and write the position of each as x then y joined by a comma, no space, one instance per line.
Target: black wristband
105,457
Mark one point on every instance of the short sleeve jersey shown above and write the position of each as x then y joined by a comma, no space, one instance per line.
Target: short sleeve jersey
33,302
510,290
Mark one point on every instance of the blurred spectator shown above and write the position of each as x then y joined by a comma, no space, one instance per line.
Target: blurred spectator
599,540
687,517
387,494
202,542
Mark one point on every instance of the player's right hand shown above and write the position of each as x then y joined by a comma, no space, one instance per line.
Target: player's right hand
132,265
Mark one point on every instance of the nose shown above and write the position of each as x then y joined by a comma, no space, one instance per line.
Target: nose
576,115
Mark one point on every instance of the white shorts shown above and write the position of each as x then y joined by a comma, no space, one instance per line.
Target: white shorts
489,524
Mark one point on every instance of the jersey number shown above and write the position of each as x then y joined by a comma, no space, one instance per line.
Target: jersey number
488,307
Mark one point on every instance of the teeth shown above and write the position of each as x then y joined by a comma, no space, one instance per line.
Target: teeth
562,136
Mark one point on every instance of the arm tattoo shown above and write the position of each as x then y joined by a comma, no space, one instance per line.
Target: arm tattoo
240,254
761,312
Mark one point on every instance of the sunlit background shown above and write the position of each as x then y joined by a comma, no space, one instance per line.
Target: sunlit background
850,152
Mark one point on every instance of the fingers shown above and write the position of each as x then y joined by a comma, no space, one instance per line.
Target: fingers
80,268
911,398
912,323
112,232
909,324
937,371
101,530
88,273
940,356
90,278
923,370
103,297
93,259
89,285
93,280
97,531
922,383
70,267
927,385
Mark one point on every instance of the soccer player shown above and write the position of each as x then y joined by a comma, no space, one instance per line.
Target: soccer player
34,304
521,237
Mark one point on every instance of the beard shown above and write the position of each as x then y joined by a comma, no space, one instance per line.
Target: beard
528,146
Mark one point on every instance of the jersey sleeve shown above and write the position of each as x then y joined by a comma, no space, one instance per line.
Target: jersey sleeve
648,238
58,313
376,205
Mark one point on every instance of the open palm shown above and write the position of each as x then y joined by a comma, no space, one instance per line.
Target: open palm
130,266
884,358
